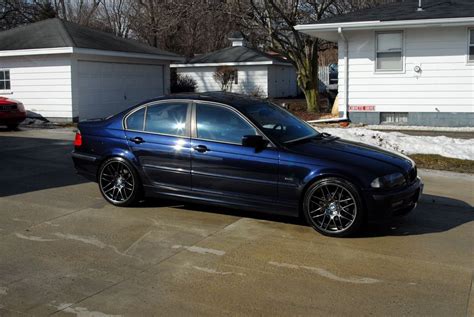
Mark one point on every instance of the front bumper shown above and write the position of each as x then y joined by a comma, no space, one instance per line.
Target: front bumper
383,205
13,117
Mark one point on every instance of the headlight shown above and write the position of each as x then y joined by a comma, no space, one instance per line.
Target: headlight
388,181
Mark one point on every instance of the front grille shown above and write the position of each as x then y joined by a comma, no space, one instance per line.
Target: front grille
412,175
9,107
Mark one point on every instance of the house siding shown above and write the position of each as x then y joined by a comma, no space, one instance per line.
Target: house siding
251,79
41,83
441,94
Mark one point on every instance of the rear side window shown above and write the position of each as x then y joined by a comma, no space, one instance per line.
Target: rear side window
220,124
167,118
135,120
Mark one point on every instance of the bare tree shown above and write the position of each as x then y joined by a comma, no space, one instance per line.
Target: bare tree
271,24
114,16
78,11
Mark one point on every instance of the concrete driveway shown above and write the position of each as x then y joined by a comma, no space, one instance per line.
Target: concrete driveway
64,251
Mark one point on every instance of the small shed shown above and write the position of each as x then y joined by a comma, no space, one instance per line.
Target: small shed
256,72
62,71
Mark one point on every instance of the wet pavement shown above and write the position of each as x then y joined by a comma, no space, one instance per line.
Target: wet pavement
65,251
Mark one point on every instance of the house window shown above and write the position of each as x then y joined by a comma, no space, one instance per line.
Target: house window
389,51
4,80
394,117
471,45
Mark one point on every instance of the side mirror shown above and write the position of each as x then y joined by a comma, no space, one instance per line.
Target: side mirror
255,141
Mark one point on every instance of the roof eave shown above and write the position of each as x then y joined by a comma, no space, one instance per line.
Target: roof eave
75,50
37,51
85,51
328,31
231,64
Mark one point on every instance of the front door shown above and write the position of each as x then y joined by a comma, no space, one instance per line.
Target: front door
221,166
158,136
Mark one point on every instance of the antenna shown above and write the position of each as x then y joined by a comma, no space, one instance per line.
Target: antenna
420,7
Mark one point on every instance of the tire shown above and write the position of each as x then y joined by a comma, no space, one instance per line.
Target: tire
333,207
12,127
119,183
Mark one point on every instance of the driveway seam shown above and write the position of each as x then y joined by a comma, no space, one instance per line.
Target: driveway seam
144,270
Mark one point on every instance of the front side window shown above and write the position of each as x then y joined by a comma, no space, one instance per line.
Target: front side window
5,80
389,51
168,118
471,45
278,123
217,123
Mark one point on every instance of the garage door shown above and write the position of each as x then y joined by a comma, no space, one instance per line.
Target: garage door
108,88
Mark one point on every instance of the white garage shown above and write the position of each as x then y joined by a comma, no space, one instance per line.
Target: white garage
65,72
116,86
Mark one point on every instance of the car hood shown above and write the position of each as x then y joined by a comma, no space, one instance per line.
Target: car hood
349,152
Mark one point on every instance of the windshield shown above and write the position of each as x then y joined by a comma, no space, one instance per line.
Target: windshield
278,123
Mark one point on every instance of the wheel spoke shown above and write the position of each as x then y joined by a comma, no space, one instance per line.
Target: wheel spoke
313,211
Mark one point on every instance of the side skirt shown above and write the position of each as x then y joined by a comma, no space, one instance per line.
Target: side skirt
228,202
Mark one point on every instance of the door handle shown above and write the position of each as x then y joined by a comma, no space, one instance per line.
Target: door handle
200,148
137,140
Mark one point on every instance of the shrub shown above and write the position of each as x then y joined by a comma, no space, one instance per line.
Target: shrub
182,83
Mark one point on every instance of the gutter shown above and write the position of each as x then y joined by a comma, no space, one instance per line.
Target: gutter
381,24
346,83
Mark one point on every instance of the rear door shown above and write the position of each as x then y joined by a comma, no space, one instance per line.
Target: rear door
158,134
221,166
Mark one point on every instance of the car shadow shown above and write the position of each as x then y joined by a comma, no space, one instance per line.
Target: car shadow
33,164
434,214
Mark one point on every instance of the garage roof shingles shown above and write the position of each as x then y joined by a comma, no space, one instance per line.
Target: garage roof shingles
235,54
54,33
407,10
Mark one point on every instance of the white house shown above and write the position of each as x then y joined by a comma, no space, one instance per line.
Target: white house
64,72
404,63
256,71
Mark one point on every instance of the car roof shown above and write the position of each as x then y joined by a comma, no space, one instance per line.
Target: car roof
237,101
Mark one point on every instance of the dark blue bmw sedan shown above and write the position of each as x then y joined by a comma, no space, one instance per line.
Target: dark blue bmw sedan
247,153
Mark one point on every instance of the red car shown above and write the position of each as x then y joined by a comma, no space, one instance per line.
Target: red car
12,113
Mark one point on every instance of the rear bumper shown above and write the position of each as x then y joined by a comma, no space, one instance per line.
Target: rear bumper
386,204
86,164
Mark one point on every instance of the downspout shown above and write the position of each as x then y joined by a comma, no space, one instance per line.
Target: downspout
345,117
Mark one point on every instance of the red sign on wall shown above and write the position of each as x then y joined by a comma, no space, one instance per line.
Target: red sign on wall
362,108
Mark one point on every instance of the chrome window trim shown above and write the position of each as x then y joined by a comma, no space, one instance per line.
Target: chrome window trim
154,103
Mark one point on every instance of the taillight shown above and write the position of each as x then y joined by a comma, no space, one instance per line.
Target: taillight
78,139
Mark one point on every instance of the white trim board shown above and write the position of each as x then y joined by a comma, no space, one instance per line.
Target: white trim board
329,31
75,50
230,64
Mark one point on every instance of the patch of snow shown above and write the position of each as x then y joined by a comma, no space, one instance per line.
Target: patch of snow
420,128
327,274
199,250
87,240
33,238
81,311
213,271
408,144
